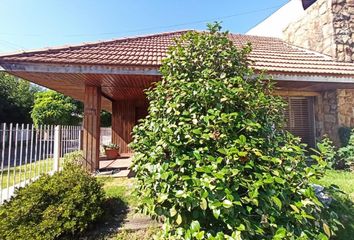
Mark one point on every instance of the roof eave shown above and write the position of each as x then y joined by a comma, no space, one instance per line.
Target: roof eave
154,71
312,77
78,68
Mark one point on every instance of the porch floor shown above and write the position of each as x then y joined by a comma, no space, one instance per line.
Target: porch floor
119,167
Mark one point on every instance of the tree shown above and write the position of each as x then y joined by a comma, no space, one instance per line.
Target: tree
51,107
211,157
16,99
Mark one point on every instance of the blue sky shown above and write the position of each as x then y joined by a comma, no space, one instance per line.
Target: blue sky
34,24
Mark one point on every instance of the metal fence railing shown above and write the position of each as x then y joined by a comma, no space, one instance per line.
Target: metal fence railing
27,151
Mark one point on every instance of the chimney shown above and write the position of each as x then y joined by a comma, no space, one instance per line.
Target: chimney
327,27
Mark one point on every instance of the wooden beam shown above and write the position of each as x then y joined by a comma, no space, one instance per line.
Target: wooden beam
91,136
64,68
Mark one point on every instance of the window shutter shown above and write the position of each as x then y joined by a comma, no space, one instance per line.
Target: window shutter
299,115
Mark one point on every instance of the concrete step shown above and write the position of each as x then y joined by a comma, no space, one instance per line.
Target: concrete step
140,222
121,163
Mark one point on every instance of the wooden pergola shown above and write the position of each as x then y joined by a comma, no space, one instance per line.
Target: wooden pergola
113,75
117,90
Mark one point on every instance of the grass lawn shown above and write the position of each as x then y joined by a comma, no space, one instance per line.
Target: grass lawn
343,179
344,207
27,171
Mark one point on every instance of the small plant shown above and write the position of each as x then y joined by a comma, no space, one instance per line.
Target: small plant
111,150
53,206
328,151
346,154
111,146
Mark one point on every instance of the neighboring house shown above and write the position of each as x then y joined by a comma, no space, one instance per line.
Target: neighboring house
113,75
327,27
274,25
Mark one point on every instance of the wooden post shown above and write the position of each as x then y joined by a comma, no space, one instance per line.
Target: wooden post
91,134
57,148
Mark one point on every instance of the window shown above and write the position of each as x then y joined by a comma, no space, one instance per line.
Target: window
299,115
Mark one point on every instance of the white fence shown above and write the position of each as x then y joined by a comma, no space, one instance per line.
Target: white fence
106,135
27,151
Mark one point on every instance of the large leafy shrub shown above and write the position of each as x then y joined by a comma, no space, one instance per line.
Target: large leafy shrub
51,107
53,206
210,158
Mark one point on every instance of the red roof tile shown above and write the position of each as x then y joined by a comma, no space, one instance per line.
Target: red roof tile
271,54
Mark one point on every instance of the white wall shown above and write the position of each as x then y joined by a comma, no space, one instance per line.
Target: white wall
274,25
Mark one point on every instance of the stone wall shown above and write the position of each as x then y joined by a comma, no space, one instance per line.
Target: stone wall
334,109
315,30
345,99
343,27
326,112
327,27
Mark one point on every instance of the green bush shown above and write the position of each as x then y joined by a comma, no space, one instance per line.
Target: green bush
341,158
329,151
346,154
210,158
53,206
344,135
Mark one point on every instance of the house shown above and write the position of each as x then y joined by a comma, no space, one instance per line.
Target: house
112,75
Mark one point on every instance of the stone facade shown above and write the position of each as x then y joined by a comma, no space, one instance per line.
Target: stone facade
328,28
326,112
343,25
345,100
315,30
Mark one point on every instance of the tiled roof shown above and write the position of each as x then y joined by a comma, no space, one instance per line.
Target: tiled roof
268,53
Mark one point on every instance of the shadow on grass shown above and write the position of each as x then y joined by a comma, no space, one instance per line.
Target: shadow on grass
344,207
115,212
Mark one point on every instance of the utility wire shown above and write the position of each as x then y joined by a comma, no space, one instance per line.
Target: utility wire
158,27
11,45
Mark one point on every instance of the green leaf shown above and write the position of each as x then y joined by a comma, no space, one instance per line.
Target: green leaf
280,233
242,154
277,202
162,197
222,151
197,131
197,155
241,227
294,208
227,203
203,204
179,219
200,235
326,229
216,213
195,226
242,139
173,211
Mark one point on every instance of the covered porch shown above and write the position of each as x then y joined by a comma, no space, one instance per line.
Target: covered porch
119,91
